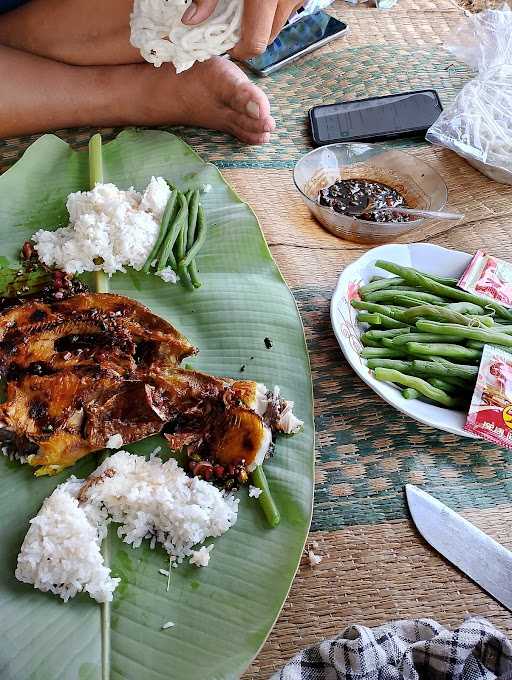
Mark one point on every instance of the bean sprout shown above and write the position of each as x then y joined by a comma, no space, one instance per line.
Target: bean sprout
157,31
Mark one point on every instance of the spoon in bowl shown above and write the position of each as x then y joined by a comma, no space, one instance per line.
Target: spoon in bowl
356,210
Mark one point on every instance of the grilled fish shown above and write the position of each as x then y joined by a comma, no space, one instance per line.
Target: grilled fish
97,365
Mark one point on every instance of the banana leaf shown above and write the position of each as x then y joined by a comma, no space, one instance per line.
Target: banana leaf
223,613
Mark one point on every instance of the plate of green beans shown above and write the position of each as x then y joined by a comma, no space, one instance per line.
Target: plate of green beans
412,334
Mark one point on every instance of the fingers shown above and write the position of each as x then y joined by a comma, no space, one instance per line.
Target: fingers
257,25
198,11
283,13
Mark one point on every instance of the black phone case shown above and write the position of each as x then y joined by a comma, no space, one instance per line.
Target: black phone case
365,138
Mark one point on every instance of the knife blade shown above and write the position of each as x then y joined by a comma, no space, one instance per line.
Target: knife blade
479,556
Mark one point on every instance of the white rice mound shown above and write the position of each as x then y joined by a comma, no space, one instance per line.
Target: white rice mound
155,499
109,229
148,498
61,551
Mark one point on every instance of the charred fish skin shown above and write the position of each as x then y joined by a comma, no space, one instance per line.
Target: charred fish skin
114,330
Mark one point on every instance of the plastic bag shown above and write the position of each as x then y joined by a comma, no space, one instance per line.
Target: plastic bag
478,125
309,7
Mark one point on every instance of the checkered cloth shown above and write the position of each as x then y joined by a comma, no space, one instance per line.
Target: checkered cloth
407,650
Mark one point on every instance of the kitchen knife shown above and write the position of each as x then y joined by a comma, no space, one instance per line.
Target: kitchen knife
479,556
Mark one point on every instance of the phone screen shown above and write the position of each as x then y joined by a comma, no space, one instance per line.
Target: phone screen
379,117
296,37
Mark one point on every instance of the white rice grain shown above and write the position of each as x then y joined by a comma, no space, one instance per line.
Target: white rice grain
109,229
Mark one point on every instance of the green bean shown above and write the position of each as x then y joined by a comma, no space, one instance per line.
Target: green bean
265,499
379,352
445,280
200,238
474,344
390,296
443,385
373,308
458,383
179,253
442,369
410,393
444,314
388,333
458,390
431,285
164,225
388,342
402,339
194,276
465,308
368,342
403,366
503,328
379,320
380,284
173,231
486,335
418,384
372,319
193,208
443,349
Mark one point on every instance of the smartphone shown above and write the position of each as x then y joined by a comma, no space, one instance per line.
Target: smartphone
375,119
295,40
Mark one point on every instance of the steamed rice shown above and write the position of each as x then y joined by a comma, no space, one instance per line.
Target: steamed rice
147,498
61,551
109,229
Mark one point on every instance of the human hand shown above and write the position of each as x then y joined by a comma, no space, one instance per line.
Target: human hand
261,22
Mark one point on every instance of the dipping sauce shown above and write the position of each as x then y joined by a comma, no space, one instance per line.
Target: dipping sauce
349,196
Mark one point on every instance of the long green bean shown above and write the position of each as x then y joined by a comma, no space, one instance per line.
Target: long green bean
372,319
486,335
474,344
173,231
418,384
164,225
374,308
396,364
199,241
379,320
459,390
193,209
368,342
443,349
387,333
381,284
390,296
402,339
446,291
410,393
442,369
467,308
194,276
380,352
444,314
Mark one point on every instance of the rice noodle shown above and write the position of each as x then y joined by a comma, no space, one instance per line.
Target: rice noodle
159,34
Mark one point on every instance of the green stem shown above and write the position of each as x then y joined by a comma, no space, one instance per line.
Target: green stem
101,283
267,503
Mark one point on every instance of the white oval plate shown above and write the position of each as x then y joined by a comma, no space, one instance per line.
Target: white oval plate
427,258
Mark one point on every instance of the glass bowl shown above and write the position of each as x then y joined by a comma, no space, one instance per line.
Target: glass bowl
421,186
